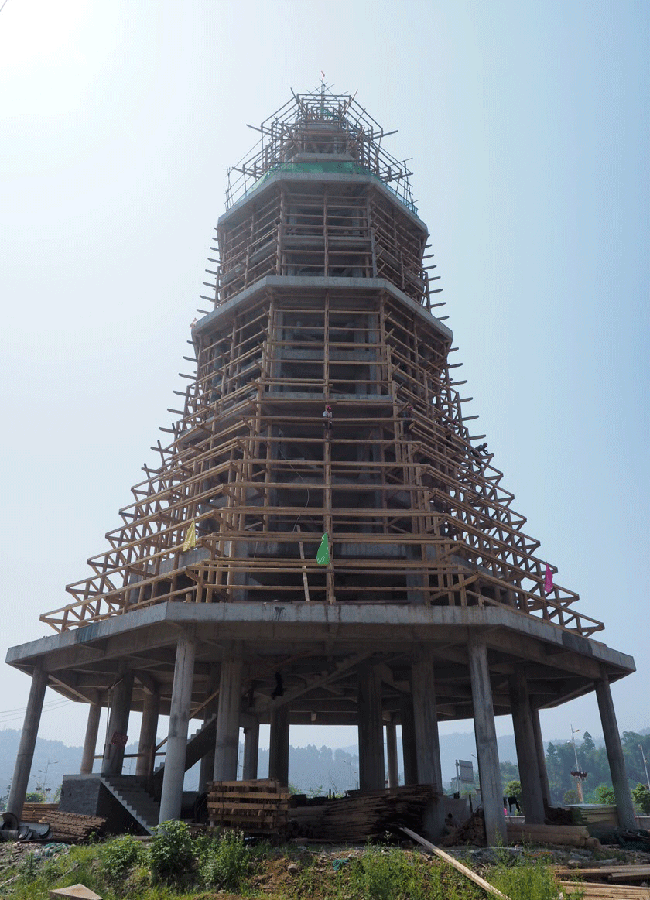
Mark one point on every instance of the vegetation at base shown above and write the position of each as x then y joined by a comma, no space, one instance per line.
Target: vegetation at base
526,880
176,866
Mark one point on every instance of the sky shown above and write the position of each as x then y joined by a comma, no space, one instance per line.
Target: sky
526,125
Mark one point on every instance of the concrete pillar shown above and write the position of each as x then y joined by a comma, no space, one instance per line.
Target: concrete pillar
171,797
146,760
227,744
206,766
541,758
279,744
408,741
391,753
251,752
370,726
90,740
522,720
23,764
486,741
118,723
427,739
626,817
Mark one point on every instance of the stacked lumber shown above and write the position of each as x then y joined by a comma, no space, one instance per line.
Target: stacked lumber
256,807
605,891
619,873
34,812
573,835
72,828
470,832
363,816
595,815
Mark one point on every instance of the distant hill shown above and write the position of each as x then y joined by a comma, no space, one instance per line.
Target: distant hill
311,769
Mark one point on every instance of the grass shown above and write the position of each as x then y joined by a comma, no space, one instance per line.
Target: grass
175,866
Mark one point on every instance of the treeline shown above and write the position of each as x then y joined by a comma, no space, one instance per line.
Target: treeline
592,759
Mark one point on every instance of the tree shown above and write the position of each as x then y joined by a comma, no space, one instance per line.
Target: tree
570,796
604,793
35,797
641,797
512,789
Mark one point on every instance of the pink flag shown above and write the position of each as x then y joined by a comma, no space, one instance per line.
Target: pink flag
548,580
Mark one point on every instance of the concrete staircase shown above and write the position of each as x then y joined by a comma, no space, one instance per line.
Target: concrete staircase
129,790
201,742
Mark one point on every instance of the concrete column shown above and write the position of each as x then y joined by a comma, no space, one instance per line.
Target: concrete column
227,744
279,744
146,760
371,729
626,817
251,752
23,764
90,740
118,723
206,767
391,753
522,720
408,741
427,740
171,797
541,758
486,741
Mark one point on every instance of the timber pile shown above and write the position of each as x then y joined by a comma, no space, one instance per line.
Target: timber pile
595,815
35,812
360,817
612,874
470,832
605,891
73,828
257,807
573,835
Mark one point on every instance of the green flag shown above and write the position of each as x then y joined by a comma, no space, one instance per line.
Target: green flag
323,552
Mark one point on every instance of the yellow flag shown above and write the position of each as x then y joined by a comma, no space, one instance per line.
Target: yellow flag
190,538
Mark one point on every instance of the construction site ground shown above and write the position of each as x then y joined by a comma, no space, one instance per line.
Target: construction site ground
309,869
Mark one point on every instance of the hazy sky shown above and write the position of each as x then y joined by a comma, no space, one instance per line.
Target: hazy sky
527,128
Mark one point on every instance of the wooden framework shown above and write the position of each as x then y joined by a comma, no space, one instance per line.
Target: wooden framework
321,298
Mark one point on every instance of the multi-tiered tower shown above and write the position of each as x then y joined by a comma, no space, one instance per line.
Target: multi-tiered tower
323,414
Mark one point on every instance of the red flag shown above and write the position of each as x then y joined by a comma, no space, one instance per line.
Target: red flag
548,580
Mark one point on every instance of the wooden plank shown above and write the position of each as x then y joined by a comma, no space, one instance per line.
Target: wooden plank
468,873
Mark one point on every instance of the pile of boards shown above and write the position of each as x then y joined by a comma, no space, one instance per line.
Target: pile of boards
255,807
606,882
35,812
571,835
72,828
361,817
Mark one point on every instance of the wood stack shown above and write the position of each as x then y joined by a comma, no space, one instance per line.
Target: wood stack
605,891
72,827
612,874
36,812
573,835
360,817
256,807
602,815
